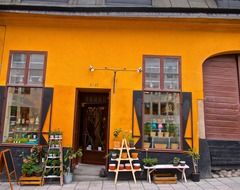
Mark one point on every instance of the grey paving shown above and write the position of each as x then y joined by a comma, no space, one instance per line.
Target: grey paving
205,184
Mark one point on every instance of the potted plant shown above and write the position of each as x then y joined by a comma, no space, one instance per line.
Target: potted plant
150,161
68,157
27,168
172,129
176,161
116,142
195,157
130,140
38,169
30,162
147,129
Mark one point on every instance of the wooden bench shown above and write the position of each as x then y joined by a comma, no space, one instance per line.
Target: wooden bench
166,166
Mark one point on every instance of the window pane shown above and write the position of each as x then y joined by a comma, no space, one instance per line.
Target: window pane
16,76
22,117
171,73
152,73
35,76
36,61
162,124
18,60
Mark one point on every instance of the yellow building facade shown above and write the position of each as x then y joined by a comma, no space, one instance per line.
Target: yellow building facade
74,43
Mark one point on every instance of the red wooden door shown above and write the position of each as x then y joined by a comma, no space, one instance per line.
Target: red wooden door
221,98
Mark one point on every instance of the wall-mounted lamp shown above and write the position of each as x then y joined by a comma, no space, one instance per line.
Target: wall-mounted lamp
114,70
91,68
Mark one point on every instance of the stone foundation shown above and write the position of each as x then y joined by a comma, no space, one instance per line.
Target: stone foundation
226,173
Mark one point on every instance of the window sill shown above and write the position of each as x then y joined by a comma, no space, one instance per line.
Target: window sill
16,145
164,150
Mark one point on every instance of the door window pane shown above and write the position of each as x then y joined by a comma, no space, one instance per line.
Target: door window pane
22,117
162,124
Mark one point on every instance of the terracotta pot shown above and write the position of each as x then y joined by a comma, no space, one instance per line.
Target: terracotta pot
127,166
116,144
121,166
112,166
153,134
174,146
134,155
136,166
161,146
146,145
160,134
166,134
124,155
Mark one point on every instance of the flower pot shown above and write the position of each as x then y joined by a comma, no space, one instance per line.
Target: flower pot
124,155
152,134
136,166
128,166
166,134
146,145
39,174
112,166
68,177
160,134
182,163
131,144
114,155
121,166
195,177
175,163
116,144
134,155
160,145
174,146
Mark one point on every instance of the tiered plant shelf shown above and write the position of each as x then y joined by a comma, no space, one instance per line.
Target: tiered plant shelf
124,147
54,162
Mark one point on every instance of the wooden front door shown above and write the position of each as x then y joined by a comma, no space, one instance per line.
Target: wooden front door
94,121
221,98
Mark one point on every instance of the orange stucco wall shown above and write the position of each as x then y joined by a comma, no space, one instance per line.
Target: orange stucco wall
74,43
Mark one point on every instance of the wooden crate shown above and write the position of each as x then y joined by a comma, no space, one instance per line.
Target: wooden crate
31,180
165,178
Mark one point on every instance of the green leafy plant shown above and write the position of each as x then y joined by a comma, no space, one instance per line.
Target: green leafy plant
176,161
172,129
69,156
31,162
195,158
147,128
116,132
38,169
28,167
150,161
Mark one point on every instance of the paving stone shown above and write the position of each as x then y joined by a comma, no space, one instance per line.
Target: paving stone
54,187
223,187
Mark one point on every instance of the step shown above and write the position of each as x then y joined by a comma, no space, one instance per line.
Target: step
88,178
87,169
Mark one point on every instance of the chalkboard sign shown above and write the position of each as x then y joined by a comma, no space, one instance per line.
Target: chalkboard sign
7,161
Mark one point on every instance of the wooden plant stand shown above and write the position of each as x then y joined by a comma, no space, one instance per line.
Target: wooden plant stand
125,147
31,180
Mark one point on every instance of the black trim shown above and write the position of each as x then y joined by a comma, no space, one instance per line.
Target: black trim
109,9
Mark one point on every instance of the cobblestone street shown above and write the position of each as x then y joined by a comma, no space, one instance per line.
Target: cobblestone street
206,184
